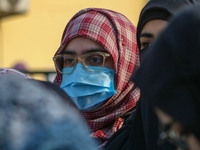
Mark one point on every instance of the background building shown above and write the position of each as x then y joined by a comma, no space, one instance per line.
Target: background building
31,38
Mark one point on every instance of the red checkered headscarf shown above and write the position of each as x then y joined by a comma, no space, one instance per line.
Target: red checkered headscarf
117,35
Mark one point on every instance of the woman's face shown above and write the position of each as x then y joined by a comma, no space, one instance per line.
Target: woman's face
175,133
81,45
150,32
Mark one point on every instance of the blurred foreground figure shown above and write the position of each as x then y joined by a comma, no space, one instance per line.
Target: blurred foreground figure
173,81
36,117
141,131
6,71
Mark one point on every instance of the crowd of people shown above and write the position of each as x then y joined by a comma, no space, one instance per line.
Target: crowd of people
118,87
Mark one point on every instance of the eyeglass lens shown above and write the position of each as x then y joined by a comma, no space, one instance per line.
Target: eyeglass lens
69,61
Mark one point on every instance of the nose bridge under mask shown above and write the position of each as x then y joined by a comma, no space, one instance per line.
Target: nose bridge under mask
77,70
80,75
80,61
88,89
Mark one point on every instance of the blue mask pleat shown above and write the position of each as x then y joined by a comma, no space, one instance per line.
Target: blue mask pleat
88,89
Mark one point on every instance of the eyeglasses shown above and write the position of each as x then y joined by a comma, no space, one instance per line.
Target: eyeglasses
169,134
70,61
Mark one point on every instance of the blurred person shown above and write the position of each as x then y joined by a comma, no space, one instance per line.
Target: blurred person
154,18
13,72
36,117
20,66
175,82
59,91
94,63
141,130
7,71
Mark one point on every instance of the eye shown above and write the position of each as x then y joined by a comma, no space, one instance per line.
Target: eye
145,45
95,60
69,61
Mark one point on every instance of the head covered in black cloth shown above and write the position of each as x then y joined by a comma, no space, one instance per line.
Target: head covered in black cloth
34,116
160,9
170,73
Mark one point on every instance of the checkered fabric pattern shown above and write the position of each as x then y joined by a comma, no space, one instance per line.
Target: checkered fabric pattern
116,34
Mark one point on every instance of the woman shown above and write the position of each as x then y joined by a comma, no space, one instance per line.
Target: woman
172,65
141,133
154,17
96,58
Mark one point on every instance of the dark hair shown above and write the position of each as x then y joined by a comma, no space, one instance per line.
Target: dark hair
160,9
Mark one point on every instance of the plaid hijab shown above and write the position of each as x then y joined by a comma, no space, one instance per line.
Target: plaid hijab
116,34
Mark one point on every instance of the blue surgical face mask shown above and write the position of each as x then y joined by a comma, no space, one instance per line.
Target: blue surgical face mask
88,90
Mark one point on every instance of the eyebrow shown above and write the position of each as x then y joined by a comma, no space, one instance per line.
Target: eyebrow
84,52
146,34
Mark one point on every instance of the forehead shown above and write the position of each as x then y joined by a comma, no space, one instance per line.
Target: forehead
79,45
154,27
